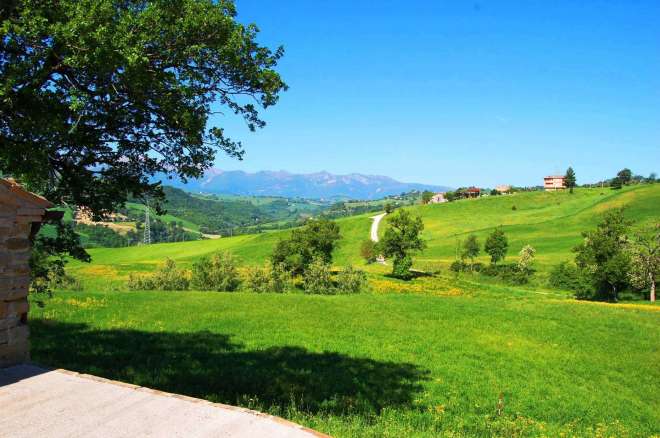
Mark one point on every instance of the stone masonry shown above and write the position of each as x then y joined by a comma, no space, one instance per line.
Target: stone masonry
21,214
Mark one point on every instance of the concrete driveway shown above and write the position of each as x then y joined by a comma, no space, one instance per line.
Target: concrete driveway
35,402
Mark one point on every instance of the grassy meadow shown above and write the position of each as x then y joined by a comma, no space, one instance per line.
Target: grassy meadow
435,356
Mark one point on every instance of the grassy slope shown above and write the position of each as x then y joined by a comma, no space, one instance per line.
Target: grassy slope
376,365
551,222
384,364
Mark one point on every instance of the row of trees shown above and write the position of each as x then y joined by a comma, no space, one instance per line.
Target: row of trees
624,177
496,246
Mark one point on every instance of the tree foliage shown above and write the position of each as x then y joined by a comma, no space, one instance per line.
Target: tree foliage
470,248
97,96
625,176
401,238
603,258
645,256
316,240
569,179
496,246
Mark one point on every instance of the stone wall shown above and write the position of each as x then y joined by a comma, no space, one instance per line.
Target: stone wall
20,211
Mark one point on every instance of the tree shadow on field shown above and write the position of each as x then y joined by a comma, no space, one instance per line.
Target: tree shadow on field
208,365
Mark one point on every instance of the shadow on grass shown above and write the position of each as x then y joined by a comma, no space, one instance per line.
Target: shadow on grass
209,365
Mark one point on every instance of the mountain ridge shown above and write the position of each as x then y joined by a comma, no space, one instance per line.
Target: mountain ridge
317,185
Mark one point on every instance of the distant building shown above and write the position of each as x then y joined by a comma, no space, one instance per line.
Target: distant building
472,192
438,198
503,188
552,183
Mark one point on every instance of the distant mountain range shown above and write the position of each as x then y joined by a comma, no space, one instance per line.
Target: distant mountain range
321,185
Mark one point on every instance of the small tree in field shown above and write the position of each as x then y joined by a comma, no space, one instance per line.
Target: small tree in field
615,184
426,196
645,257
496,246
389,208
526,259
569,179
368,251
625,175
470,249
402,237
603,259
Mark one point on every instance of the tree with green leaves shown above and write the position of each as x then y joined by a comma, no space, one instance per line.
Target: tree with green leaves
316,240
401,238
625,176
569,179
615,183
368,251
389,208
471,249
496,246
645,260
99,97
427,196
603,258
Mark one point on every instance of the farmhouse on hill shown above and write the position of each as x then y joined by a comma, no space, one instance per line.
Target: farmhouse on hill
552,183
472,192
21,214
503,188
438,198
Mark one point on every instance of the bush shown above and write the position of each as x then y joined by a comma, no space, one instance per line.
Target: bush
458,266
140,282
318,278
268,279
368,251
169,277
218,272
514,208
351,280
258,279
565,276
401,268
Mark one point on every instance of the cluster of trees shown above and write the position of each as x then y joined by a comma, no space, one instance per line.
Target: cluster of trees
307,253
496,246
609,262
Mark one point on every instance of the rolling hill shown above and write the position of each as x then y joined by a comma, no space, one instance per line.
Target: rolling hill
436,356
550,222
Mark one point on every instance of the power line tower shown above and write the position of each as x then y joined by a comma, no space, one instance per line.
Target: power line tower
147,226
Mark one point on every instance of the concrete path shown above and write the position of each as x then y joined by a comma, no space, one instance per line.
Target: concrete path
39,403
375,224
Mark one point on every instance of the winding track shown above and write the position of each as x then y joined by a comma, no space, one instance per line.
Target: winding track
374,226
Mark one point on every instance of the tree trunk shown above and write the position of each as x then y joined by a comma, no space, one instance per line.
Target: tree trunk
652,295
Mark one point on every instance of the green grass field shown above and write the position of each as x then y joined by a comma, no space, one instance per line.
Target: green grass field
436,356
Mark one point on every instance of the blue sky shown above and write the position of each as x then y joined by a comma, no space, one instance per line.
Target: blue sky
459,93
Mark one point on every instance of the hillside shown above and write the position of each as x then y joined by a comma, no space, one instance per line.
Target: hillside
436,356
551,222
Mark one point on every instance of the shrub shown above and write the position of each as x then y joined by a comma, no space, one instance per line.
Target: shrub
140,282
267,279
351,280
368,251
318,278
564,276
169,277
401,268
257,279
218,272
280,279
458,266
514,208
